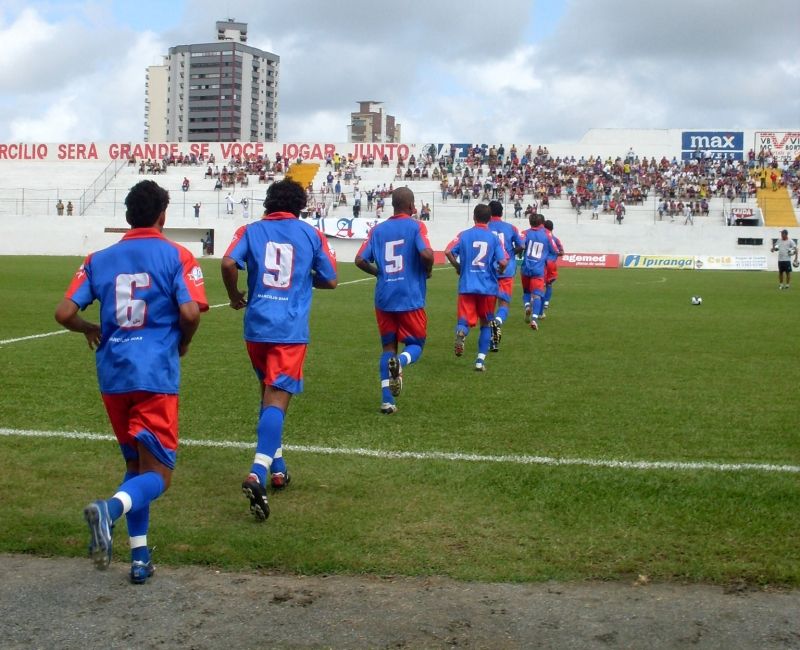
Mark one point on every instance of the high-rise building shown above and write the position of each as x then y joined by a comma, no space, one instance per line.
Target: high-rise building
371,124
223,91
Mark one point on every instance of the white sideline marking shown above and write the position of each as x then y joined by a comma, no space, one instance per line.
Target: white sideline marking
441,455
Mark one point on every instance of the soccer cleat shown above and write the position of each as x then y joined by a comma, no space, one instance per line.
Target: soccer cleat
257,494
534,324
479,367
543,315
387,408
395,376
494,344
141,571
528,312
280,480
100,525
459,345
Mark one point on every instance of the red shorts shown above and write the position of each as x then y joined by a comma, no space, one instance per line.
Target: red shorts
550,271
533,284
403,326
133,415
505,287
473,307
279,364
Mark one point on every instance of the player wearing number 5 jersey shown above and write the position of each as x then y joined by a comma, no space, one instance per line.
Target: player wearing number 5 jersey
151,294
398,253
478,257
284,258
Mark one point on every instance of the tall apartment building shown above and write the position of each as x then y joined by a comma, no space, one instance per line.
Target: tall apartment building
223,91
371,124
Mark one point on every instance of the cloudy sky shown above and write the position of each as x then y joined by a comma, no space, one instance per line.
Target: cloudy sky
541,71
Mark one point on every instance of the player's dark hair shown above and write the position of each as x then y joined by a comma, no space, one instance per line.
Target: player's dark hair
481,213
548,224
496,208
285,196
145,202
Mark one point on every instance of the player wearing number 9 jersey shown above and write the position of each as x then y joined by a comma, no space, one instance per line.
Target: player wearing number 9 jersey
151,294
284,258
398,253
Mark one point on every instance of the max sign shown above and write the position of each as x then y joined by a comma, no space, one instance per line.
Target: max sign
712,144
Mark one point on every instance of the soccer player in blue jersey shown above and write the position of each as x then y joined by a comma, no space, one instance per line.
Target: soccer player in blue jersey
510,238
538,245
398,253
151,294
551,267
284,257
478,257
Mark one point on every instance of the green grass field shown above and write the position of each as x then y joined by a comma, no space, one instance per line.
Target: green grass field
624,368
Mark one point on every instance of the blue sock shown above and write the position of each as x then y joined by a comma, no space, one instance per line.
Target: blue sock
548,292
526,298
383,367
502,314
269,432
413,351
537,305
484,338
461,326
139,491
138,524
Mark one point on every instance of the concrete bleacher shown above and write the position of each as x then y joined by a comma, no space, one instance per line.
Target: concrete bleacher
29,224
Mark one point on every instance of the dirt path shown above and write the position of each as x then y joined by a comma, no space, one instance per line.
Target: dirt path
65,603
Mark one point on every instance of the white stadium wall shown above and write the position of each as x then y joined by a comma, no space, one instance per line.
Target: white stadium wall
35,175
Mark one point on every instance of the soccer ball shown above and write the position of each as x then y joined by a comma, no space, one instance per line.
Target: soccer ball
795,263
697,300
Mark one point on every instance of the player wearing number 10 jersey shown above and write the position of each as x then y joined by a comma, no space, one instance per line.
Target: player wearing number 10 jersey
398,253
151,294
284,258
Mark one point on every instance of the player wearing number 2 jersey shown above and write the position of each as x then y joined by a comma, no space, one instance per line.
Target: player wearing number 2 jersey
478,257
284,258
398,253
151,294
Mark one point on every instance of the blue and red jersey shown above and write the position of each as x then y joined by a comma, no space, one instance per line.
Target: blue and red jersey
553,256
140,282
510,239
281,254
539,245
394,246
478,251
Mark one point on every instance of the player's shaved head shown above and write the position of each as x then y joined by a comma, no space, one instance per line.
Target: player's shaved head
496,208
403,200
536,220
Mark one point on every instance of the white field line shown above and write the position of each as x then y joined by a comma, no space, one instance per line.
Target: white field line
223,304
443,455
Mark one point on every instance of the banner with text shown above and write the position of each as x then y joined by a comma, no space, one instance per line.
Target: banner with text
344,228
589,260
783,144
731,262
636,261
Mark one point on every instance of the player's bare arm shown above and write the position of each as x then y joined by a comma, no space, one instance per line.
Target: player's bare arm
365,266
454,261
67,316
189,321
230,278
427,261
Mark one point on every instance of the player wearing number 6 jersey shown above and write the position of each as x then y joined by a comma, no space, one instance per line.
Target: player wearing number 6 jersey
284,258
398,253
151,294
478,257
